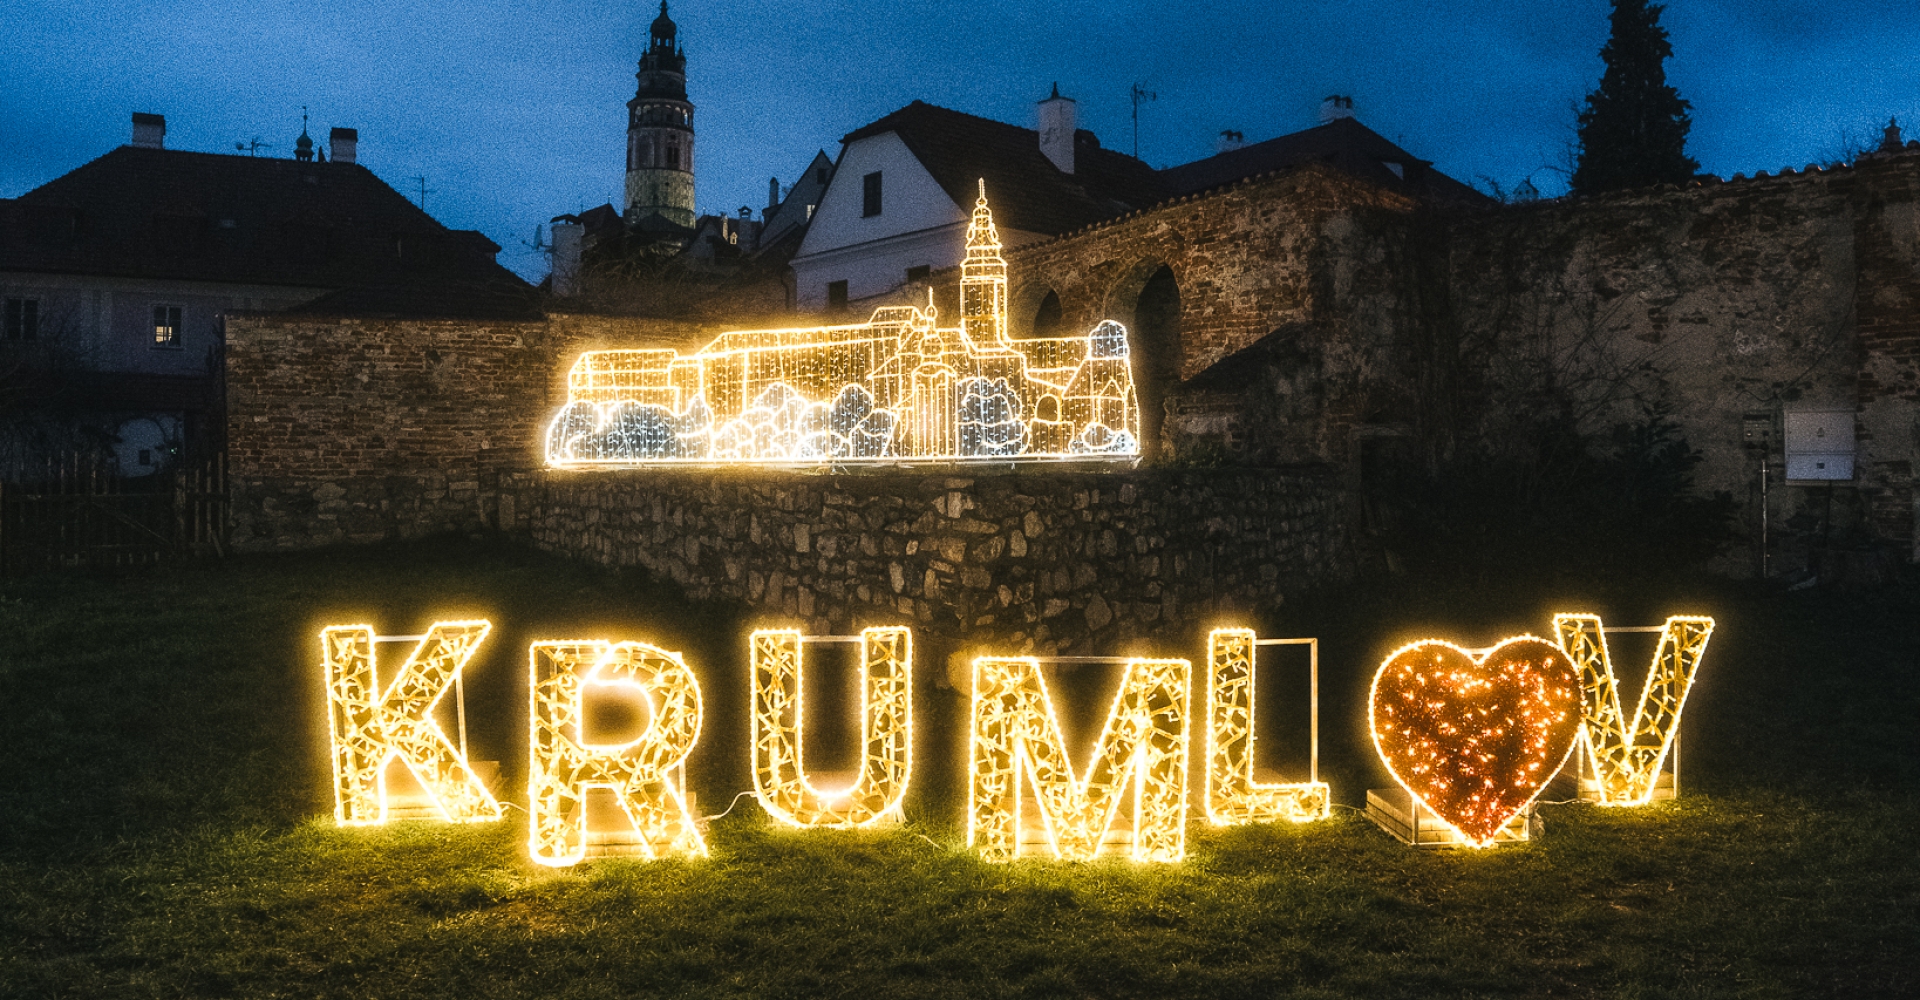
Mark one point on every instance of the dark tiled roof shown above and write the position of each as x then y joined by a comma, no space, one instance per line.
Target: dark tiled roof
1027,191
184,216
449,298
1343,143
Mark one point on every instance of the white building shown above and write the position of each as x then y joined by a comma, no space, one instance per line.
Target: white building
900,198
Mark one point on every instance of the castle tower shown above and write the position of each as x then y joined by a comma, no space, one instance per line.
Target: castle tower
660,131
983,281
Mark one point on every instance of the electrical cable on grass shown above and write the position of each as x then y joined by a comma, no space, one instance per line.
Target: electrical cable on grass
730,805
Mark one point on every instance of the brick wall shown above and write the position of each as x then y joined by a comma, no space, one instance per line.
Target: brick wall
360,430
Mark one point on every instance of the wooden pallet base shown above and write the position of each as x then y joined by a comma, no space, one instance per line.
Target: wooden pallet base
1396,811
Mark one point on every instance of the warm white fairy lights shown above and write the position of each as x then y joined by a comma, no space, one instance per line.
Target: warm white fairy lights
886,730
1475,734
1627,756
1015,740
371,726
1232,796
563,766
896,388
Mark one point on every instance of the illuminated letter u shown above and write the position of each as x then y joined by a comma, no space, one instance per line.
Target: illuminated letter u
886,730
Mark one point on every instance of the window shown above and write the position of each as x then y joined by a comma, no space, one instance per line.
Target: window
919,272
166,326
673,157
809,212
836,295
870,206
23,319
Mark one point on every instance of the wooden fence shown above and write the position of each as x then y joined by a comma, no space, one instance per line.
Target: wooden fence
76,513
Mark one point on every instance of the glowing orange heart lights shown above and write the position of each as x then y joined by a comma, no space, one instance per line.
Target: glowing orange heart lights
1476,734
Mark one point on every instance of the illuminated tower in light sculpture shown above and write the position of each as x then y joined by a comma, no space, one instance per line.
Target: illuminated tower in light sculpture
660,131
983,281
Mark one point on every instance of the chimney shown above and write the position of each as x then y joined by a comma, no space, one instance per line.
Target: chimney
568,238
773,193
1335,107
342,144
149,131
1059,120
1229,141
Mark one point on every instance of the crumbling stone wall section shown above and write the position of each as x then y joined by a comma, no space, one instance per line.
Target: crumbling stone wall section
360,430
1248,260
1309,257
1725,304
1885,202
1038,561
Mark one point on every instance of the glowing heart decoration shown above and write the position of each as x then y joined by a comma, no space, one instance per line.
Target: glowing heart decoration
1475,734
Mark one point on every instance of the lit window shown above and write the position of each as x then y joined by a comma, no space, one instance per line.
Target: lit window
23,319
870,205
809,212
166,326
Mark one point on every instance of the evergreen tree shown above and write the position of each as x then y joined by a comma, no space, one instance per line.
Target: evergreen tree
1633,132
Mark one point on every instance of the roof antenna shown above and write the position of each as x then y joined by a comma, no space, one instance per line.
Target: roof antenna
424,191
1139,93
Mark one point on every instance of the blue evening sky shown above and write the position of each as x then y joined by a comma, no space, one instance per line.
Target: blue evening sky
515,111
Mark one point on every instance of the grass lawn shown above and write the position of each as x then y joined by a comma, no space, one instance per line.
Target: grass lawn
165,820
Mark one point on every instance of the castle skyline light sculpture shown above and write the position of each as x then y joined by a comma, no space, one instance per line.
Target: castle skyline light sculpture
898,388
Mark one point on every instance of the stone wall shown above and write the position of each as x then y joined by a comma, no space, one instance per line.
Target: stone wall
1041,560
1309,260
361,430
1727,305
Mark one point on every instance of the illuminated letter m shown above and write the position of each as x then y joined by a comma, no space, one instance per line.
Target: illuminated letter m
1016,738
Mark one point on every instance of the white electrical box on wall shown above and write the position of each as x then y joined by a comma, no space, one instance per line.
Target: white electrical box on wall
1819,445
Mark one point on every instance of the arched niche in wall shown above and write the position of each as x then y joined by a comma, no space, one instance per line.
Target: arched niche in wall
1024,299
1155,344
1048,320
